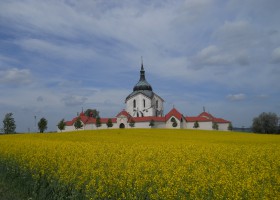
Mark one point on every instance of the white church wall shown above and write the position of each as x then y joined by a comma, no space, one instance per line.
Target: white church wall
190,125
145,109
89,127
160,125
157,106
142,125
169,123
223,126
205,125
67,129
183,124
103,126
121,120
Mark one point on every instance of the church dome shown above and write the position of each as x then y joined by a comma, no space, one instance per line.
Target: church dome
142,83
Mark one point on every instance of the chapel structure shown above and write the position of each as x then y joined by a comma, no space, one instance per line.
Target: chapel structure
145,109
143,102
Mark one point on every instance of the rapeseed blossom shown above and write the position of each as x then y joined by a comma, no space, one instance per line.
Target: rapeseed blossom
151,164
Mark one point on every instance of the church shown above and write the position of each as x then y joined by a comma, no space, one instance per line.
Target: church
145,109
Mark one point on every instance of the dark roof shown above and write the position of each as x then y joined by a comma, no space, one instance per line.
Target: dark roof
142,83
142,87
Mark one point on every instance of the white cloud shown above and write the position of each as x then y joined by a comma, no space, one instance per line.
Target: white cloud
74,100
263,96
236,34
47,48
70,45
216,56
15,76
236,97
276,55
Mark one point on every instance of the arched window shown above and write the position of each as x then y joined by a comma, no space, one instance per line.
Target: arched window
144,103
156,103
134,103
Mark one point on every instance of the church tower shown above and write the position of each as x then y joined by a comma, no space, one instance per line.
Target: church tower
143,102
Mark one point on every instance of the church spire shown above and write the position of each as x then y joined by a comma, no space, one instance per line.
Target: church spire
142,83
142,72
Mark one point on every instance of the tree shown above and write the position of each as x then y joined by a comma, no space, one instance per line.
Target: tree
78,123
230,127
9,125
42,125
152,123
215,126
92,113
109,123
61,125
98,122
132,123
265,123
174,124
196,124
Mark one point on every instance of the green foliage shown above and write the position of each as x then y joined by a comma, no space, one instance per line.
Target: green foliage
12,185
265,123
98,122
78,123
174,124
42,125
132,123
230,127
196,124
109,123
92,113
152,123
18,183
61,125
215,126
9,125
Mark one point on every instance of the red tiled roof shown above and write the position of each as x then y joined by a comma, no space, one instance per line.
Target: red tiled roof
203,117
220,120
82,114
212,118
198,119
123,112
174,113
69,123
105,120
89,120
206,115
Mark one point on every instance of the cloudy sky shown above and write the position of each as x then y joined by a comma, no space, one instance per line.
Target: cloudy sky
57,57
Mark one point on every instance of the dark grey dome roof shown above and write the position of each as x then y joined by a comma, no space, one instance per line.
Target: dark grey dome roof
142,87
142,83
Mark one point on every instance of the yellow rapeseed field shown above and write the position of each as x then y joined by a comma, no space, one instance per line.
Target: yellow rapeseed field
149,164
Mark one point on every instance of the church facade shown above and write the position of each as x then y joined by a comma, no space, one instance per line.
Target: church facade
145,109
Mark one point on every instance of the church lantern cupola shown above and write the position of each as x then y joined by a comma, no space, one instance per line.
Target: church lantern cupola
142,83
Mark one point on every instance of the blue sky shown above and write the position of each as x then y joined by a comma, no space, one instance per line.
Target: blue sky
57,57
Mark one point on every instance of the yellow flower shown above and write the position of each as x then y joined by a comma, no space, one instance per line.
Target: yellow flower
152,164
